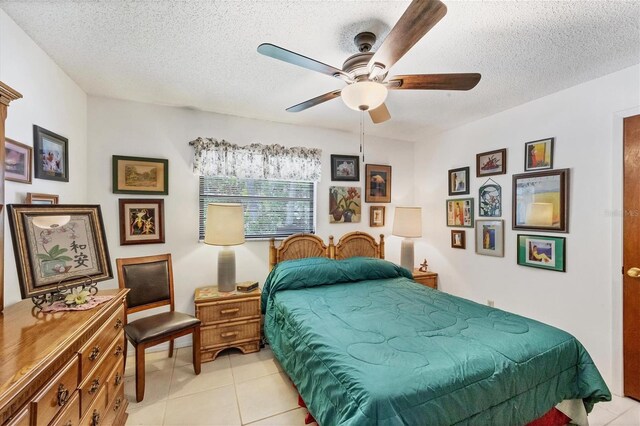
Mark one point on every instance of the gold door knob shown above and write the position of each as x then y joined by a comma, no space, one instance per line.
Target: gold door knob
634,272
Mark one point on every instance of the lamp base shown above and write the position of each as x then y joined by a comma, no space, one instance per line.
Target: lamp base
406,254
226,270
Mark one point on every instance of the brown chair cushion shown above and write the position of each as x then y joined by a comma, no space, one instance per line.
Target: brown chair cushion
159,325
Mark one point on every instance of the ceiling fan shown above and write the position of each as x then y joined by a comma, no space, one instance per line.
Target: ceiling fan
365,72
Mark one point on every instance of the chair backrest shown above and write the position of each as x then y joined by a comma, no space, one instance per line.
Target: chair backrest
149,279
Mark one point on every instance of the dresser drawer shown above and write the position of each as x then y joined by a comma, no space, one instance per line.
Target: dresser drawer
97,411
97,378
70,414
56,394
231,310
23,418
224,334
92,352
117,403
115,379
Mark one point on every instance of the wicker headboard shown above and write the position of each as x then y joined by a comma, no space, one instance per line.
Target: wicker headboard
300,246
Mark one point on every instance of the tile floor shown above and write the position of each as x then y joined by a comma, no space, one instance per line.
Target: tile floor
251,389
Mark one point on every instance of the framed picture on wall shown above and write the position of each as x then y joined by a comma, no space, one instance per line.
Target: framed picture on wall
376,216
378,183
345,167
537,251
345,204
538,155
51,159
460,212
490,237
459,181
458,239
490,200
34,198
541,201
17,161
141,221
58,245
140,175
491,163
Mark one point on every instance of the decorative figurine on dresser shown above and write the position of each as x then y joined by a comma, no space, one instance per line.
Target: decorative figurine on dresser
62,359
229,319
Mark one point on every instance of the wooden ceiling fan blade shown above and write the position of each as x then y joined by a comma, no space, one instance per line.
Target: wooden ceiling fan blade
434,81
380,114
415,22
294,58
314,101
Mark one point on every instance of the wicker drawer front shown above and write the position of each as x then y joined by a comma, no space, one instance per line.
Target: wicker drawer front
225,334
93,351
228,310
90,387
56,394
70,415
96,412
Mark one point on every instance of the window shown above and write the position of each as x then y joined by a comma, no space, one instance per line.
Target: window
272,208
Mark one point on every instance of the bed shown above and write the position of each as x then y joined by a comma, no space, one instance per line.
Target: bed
364,344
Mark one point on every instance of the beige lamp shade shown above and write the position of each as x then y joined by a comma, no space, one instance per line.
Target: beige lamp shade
50,222
225,224
540,214
407,222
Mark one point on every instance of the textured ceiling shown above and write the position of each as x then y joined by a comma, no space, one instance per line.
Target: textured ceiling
202,54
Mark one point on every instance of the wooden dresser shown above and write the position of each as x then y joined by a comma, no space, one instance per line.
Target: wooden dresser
65,368
430,279
229,320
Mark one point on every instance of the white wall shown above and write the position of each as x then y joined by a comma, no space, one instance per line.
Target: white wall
129,128
50,100
582,120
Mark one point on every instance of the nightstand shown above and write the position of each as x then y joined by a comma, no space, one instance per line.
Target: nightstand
229,320
430,279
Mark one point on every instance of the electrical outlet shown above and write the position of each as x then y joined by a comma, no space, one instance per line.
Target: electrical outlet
490,303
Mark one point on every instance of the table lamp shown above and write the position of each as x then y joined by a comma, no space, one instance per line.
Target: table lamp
407,223
225,227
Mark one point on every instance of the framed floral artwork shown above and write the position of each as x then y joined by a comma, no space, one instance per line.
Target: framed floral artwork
17,161
542,252
58,246
491,163
460,212
490,200
378,183
459,181
345,167
376,216
141,221
490,237
458,239
538,155
345,204
51,159
35,198
541,201
140,175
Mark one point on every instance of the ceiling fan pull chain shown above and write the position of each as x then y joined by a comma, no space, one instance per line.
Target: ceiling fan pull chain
362,134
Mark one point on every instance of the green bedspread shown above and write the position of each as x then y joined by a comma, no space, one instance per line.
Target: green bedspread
365,345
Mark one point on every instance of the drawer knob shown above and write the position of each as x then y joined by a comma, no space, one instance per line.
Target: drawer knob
63,395
117,404
68,423
95,418
230,311
94,353
118,324
229,334
118,351
95,385
118,379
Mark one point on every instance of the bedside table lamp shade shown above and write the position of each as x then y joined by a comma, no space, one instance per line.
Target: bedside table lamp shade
407,223
225,227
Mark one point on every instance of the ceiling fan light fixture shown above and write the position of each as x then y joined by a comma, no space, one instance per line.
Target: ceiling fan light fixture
364,95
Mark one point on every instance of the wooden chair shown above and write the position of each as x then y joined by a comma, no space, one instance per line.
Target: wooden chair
150,281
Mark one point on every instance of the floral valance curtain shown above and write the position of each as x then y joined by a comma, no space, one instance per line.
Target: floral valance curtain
255,161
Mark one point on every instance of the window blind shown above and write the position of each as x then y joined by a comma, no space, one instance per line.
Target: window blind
272,209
